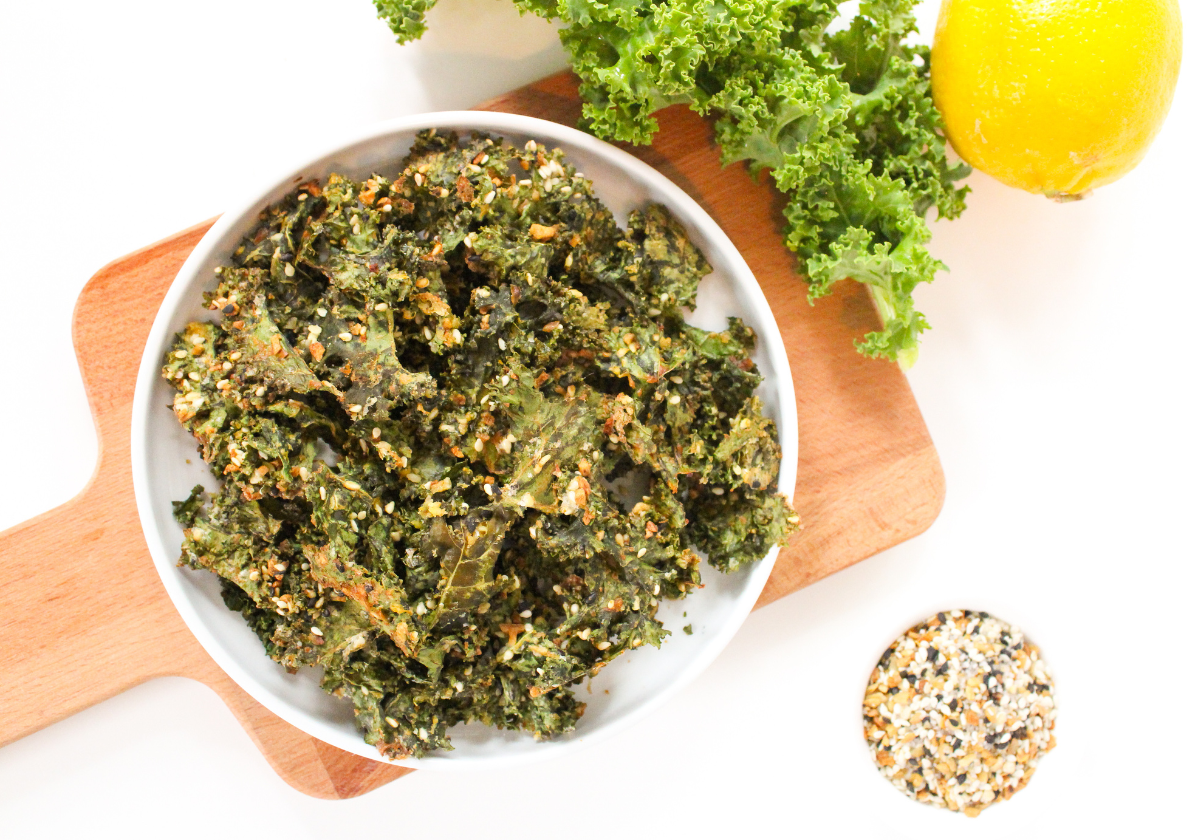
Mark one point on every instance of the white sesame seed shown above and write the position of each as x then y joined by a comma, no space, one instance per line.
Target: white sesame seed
316,631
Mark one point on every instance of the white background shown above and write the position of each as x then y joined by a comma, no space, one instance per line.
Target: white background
1059,383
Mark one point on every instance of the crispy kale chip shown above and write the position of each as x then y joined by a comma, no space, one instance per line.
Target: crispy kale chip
426,398
843,120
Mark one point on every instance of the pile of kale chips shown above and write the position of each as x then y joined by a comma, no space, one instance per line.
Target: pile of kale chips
421,398
844,121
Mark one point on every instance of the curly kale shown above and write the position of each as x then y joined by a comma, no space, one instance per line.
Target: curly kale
843,120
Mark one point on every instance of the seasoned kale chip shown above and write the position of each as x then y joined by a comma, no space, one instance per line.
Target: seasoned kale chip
426,398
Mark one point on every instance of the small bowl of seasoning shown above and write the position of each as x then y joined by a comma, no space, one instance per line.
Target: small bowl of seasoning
959,711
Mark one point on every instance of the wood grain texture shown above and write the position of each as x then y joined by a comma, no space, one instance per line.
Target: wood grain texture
83,615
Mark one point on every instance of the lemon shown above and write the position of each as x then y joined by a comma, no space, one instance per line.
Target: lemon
1055,96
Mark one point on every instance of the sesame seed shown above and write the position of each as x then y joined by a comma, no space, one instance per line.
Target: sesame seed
478,444
673,399
503,346
487,199
322,311
316,631
345,336
392,722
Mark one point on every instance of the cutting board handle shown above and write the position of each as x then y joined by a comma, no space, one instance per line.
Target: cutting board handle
61,650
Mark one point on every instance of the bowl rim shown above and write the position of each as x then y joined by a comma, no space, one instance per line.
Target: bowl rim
770,343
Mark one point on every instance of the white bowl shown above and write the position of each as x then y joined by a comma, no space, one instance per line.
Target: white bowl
637,682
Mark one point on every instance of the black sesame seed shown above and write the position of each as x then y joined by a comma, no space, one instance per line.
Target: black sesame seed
960,778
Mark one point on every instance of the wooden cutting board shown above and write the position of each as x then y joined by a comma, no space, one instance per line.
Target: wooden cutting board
83,615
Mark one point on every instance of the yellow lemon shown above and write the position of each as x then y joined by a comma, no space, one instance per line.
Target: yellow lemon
1055,96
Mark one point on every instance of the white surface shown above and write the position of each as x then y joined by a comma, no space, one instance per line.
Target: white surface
165,466
1059,384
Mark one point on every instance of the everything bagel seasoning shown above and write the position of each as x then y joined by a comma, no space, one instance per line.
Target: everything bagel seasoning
959,711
